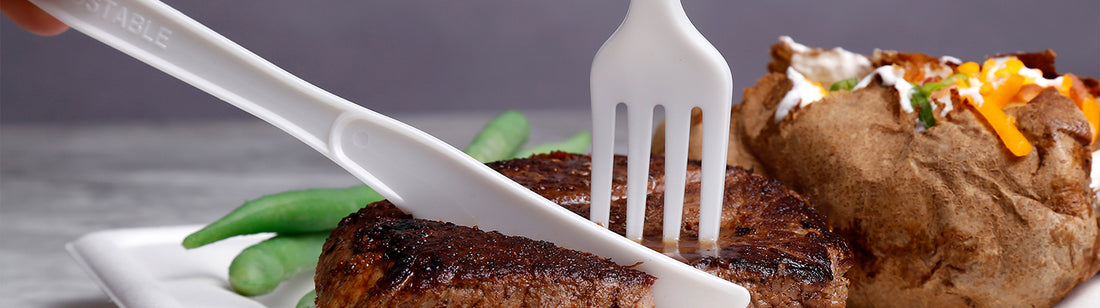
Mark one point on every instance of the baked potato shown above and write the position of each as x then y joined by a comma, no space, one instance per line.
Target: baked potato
945,202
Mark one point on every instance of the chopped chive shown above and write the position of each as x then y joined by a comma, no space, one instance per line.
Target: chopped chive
846,84
930,87
920,101
921,98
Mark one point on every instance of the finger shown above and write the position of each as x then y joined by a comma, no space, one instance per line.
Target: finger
30,17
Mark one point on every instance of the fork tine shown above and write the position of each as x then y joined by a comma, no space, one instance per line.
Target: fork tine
656,55
677,128
640,124
603,140
716,123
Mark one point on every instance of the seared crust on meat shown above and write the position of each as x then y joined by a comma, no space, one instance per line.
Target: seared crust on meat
773,242
372,261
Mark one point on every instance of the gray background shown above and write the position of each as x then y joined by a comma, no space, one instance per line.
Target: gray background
480,55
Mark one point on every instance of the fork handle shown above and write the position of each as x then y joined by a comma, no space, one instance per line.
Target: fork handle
658,15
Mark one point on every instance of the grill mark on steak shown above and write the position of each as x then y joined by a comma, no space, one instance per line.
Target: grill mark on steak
429,253
790,258
773,242
372,261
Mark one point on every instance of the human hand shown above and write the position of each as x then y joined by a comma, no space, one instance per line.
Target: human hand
30,17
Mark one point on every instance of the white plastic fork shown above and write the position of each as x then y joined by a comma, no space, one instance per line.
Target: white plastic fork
419,173
657,57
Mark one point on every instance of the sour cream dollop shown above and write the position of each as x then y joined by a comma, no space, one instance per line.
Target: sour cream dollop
826,66
890,77
802,93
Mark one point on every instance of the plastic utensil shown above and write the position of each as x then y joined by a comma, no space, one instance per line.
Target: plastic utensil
419,173
657,57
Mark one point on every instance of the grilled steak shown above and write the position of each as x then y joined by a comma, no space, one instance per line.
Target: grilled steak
380,261
773,243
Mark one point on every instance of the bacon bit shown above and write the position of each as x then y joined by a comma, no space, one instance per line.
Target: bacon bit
1027,93
1084,100
1077,90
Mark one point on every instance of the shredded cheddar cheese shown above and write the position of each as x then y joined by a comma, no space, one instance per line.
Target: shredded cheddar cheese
991,105
997,84
1005,127
969,68
1092,113
989,87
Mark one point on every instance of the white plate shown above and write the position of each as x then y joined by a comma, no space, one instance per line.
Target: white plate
148,267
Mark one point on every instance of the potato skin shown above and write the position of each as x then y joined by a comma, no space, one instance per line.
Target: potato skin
944,217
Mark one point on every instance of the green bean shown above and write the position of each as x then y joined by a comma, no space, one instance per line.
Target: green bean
321,209
308,301
260,268
501,137
577,144
296,211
